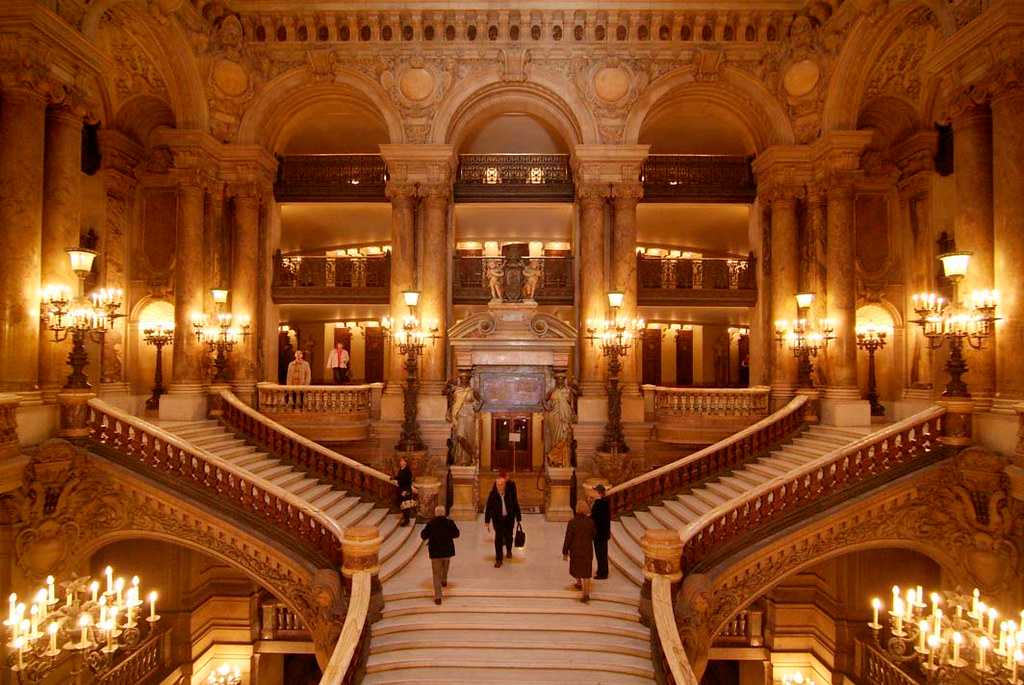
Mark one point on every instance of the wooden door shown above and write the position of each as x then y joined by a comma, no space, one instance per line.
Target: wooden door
374,350
510,443
652,357
684,357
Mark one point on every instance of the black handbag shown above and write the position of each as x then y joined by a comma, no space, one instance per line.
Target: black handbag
520,538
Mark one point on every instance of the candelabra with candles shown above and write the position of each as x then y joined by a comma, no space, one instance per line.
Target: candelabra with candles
79,318
225,675
952,321
958,638
797,678
805,338
222,338
91,625
158,334
409,340
616,336
872,338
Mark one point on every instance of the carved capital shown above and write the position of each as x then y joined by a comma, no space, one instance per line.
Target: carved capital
626,195
966,106
592,193
1008,78
250,191
435,195
401,195
775,194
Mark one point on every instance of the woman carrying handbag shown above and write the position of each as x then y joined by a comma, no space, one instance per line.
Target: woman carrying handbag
406,497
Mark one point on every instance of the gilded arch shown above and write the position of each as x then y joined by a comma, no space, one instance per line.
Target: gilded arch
734,92
285,97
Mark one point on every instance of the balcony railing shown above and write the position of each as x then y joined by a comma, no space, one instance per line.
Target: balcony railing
279,622
148,660
698,178
696,281
325,413
331,178
319,278
872,666
695,416
514,178
554,279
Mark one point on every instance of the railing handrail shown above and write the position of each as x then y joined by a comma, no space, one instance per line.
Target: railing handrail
794,404
241,406
514,154
339,666
744,258
672,651
362,387
286,255
718,513
696,390
155,432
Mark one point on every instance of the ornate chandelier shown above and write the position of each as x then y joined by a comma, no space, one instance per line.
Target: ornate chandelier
950,636
805,338
222,338
225,675
410,340
616,336
89,624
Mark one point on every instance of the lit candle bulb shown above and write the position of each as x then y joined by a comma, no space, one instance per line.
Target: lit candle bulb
937,622
13,599
109,571
152,605
119,589
935,602
957,639
920,596
922,631
876,604
52,629
983,645
992,613
933,649
83,624
34,615
103,609
95,588
19,645
51,590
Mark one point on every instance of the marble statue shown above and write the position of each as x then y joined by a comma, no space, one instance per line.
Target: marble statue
464,405
531,275
494,274
559,417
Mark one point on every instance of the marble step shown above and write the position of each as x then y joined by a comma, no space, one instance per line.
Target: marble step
667,518
724,490
403,554
629,545
354,515
502,653
458,602
397,538
629,568
851,433
542,641
493,615
287,479
501,674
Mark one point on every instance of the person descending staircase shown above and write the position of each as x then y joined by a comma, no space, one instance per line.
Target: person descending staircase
680,511
399,545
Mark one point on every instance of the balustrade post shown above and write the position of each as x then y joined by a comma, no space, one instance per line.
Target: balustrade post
427,490
214,401
360,551
74,413
663,556
10,445
958,423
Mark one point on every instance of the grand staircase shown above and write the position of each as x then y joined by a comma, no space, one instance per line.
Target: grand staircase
682,510
399,545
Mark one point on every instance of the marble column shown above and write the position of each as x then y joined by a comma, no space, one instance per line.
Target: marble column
244,283
1008,230
972,164
403,264
593,291
814,279
185,398
22,123
784,278
62,220
841,289
625,197
433,306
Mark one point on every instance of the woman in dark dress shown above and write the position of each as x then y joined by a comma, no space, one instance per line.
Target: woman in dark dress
405,497
578,548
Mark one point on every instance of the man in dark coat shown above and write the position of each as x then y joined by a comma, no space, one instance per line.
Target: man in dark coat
602,517
503,509
440,533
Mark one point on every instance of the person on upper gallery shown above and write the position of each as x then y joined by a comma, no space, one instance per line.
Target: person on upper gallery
602,517
503,510
338,362
578,548
440,533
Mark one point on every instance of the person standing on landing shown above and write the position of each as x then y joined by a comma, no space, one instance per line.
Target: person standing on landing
440,533
578,548
337,362
503,509
602,517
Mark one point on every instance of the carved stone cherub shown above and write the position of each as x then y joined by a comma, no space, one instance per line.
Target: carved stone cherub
531,275
494,273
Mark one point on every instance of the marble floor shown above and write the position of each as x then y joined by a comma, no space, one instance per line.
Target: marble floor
537,567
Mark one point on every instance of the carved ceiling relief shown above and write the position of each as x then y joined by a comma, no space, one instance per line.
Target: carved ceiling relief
135,72
898,72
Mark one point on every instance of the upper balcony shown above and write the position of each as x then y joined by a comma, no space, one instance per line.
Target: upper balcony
516,274
331,178
698,178
514,177
695,281
356,279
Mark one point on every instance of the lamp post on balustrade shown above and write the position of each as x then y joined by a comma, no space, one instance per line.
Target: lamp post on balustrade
158,334
223,337
409,341
616,336
871,339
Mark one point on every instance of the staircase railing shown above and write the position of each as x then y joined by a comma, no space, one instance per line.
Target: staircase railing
153,448
316,460
672,402
147,660
889,451
350,402
726,454
344,664
669,654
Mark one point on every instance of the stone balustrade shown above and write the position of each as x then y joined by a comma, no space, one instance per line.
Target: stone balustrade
700,416
872,666
662,549
279,622
329,413
148,660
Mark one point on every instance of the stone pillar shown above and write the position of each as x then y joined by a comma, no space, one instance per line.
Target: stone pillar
62,222
433,306
185,399
813,275
972,163
557,492
22,123
842,404
465,483
593,299
663,556
360,550
244,276
403,264
1008,234
785,270
625,197
427,490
